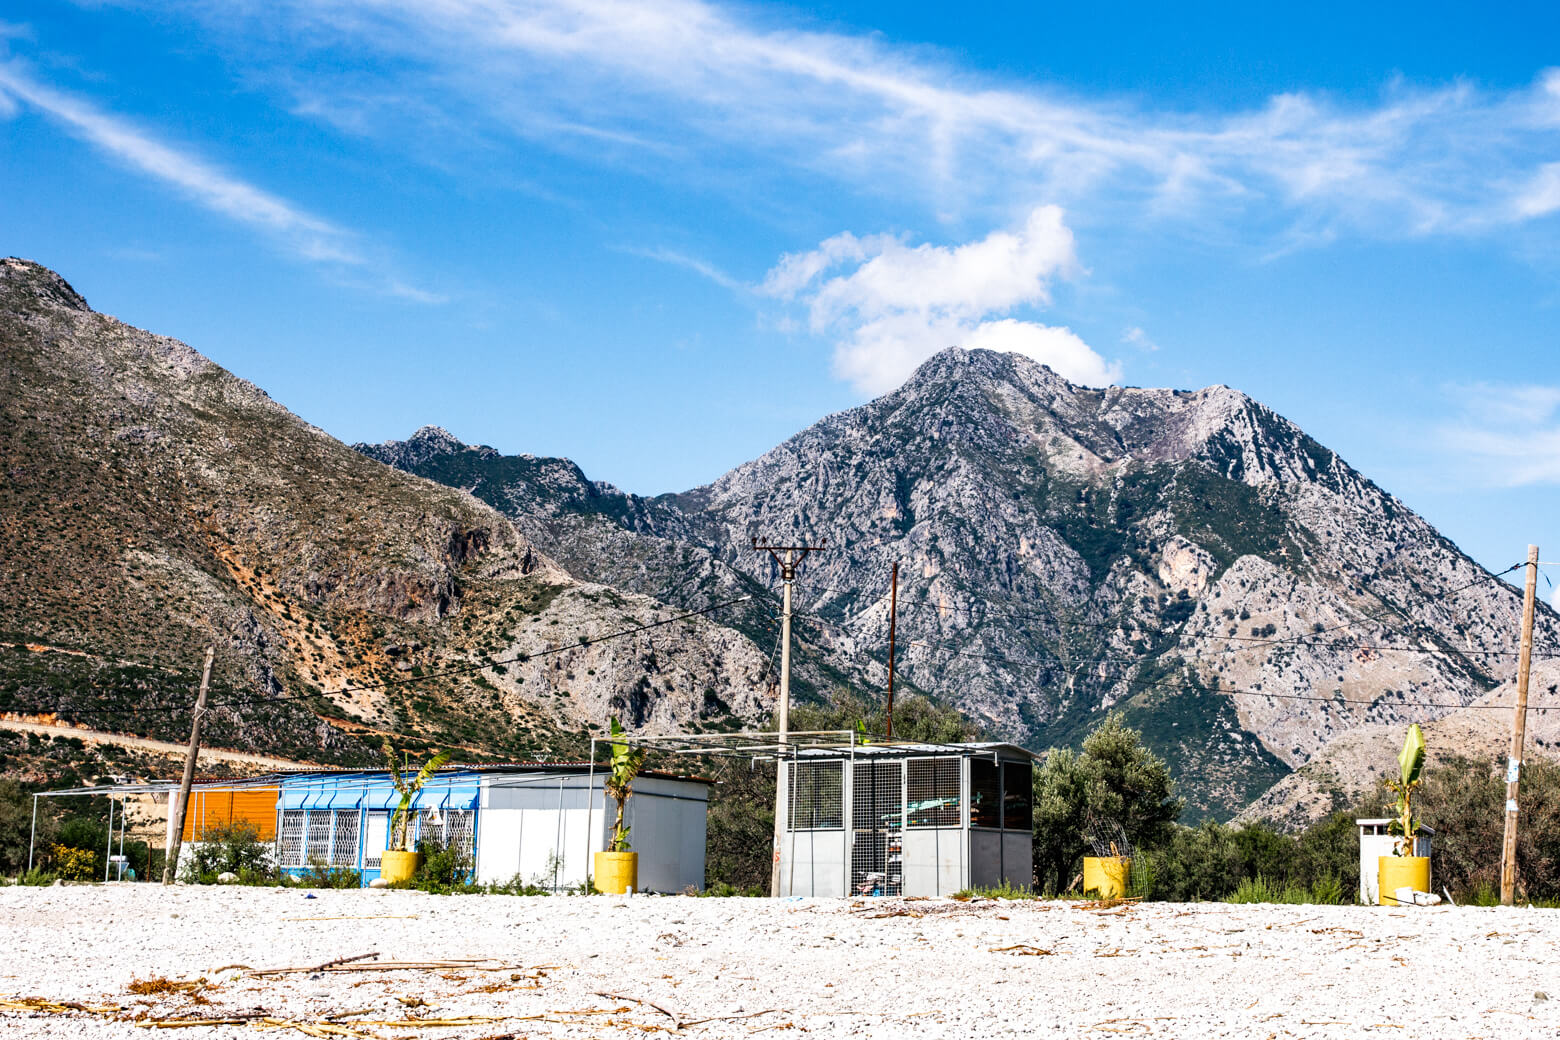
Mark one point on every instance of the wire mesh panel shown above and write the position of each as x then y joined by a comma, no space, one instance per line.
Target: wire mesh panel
985,793
318,846
459,830
877,819
344,838
932,792
1018,796
290,854
817,792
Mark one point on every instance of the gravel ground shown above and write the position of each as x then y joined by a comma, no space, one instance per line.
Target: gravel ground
612,966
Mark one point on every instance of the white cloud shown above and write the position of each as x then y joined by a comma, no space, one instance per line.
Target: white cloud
309,236
1508,436
1136,337
302,233
890,305
664,83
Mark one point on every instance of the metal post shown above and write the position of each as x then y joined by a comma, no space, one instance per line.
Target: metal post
590,814
121,871
1508,851
557,856
108,851
32,835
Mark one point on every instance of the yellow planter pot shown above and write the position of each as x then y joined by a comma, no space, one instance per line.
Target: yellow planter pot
1394,872
1106,875
615,873
399,866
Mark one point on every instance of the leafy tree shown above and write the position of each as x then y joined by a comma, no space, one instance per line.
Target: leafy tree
1061,814
1129,784
16,825
1115,778
916,718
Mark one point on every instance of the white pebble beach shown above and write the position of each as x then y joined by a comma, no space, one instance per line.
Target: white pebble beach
614,966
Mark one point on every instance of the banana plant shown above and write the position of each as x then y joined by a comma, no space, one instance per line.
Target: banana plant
1411,762
408,786
626,762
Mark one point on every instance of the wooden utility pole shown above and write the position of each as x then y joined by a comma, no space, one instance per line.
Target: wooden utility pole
1508,849
893,616
177,811
783,708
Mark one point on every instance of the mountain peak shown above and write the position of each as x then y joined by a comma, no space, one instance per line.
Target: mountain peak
26,281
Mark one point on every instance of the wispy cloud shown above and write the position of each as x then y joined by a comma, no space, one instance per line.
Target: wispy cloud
655,82
1134,336
1508,435
891,305
203,183
702,268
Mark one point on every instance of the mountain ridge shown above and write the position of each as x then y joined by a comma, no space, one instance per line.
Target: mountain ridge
1068,550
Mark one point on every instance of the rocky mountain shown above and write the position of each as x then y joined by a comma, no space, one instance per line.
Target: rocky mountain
153,503
1192,559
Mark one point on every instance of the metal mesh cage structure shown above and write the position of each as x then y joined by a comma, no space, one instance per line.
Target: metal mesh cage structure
932,791
877,820
817,796
906,819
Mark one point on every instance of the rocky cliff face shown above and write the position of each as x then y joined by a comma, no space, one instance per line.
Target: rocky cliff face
153,503
1190,558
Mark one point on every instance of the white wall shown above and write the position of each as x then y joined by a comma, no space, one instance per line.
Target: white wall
934,861
526,818
812,863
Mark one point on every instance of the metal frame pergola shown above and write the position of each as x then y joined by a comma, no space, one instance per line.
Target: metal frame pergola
111,790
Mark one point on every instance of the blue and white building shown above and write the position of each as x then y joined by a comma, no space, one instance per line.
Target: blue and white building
540,822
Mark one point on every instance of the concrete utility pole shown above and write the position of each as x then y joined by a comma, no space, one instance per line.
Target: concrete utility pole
177,810
793,556
1508,849
893,617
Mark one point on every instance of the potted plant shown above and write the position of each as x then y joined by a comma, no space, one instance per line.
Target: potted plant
616,870
1403,868
400,862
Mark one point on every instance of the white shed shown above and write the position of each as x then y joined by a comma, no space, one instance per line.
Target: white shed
905,819
1375,842
545,822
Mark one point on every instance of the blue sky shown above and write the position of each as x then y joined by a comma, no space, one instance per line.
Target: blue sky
659,239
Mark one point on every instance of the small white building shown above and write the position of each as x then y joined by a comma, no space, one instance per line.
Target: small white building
1375,842
546,824
905,819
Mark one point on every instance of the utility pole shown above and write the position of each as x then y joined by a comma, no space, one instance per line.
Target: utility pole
1508,849
893,616
783,709
176,812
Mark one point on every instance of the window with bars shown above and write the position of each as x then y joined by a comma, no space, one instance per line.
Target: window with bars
817,793
450,828
344,838
1018,794
317,845
985,793
932,792
290,854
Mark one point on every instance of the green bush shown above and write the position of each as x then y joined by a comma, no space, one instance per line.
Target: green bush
322,875
233,848
726,890
445,870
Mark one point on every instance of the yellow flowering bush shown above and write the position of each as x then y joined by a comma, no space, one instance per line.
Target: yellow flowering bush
74,864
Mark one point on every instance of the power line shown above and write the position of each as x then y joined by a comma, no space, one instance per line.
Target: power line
364,688
1219,688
